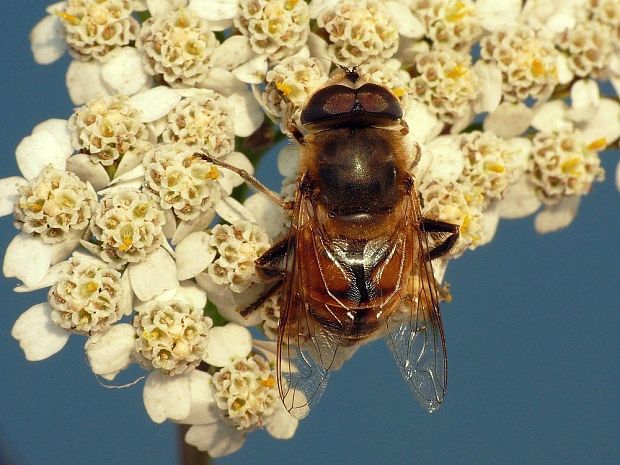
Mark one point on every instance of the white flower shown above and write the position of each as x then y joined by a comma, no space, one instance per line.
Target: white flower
490,166
237,247
359,31
128,225
54,206
563,164
589,47
93,29
113,351
171,335
454,23
446,83
86,295
89,296
527,60
564,160
177,46
275,28
203,121
239,397
181,180
110,132
27,257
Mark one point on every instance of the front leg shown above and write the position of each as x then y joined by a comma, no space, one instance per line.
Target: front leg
438,230
247,177
272,267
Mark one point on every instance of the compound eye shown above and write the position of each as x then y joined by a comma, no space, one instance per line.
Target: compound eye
378,100
329,103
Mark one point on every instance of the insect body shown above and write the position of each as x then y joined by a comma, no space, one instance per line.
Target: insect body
356,264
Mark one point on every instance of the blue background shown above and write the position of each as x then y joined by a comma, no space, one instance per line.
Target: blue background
532,336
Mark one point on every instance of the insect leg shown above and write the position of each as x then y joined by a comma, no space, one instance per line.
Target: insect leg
440,227
271,266
262,299
295,132
248,178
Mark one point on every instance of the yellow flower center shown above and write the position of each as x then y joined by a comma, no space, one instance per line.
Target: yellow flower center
457,71
598,144
456,12
68,18
284,88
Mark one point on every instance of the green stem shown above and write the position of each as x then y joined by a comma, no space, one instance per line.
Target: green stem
189,454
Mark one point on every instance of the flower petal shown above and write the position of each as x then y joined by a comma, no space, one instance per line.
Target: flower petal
248,113
155,103
82,165
226,343
130,167
495,16
605,124
186,227
223,82
490,77
8,193
154,275
288,160
281,424
218,439
60,130
268,215
111,352
193,255
166,396
38,150
38,336
447,159
585,100
233,52
551,116
50,278
558,216
191,292
252,71
62,250
407,24
124,73
84,81
519,200
214,11
46,41
27,258
161,7
509,119
490,220
203,408
423,124
231,210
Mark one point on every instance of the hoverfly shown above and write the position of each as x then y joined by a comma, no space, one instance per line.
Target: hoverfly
356,263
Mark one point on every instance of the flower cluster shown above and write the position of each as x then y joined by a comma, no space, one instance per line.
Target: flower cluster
128,209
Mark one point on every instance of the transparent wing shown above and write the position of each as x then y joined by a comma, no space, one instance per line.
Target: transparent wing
414,332
306,352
